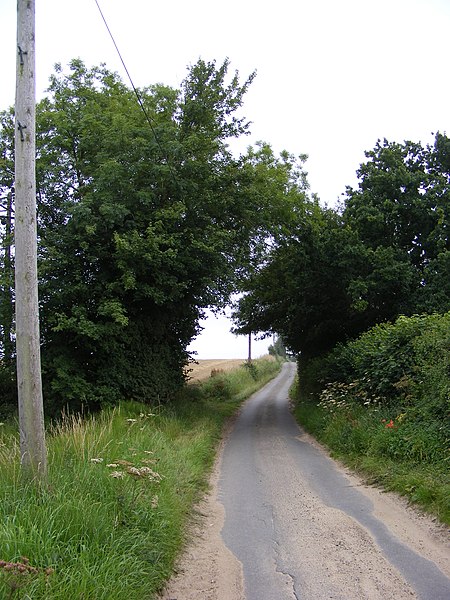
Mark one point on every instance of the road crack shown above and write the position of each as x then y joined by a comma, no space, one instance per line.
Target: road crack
288,577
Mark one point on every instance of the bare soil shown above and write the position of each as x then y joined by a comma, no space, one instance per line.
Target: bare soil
207,570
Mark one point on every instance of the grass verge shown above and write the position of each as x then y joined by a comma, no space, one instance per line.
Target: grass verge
407,457
110,520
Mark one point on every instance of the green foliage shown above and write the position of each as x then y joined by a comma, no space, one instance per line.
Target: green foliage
402,204
6,253
240,382
141,228
278,349
384,253
384,398
405,364
301,292
120,490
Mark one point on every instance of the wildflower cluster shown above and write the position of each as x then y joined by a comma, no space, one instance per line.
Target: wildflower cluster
17,574
393,423
138,469
338,396
141,421
334,397
127,467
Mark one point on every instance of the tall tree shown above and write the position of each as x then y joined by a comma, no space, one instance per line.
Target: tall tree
402,206
386,253
301,292
142,228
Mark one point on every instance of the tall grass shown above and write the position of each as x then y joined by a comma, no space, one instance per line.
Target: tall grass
111,519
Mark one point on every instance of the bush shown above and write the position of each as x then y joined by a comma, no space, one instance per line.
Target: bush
406,363
382,403
248,377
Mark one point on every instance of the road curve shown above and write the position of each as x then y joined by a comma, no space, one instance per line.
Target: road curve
297,525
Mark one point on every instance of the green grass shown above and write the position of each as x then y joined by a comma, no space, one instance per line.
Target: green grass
390,448
96,531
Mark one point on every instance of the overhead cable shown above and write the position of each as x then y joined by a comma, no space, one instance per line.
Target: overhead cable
135,90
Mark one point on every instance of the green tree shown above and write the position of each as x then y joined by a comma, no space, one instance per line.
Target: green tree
8,388
144,238
402,207
145,220
385,253
278,348
7,230
302,292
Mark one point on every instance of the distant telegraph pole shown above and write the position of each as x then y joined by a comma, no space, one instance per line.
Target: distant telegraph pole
31,412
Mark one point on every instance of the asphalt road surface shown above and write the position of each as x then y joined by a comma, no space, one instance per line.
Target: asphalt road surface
298,526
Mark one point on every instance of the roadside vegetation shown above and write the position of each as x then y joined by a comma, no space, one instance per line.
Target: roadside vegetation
121,485
360,293
381,403
140,231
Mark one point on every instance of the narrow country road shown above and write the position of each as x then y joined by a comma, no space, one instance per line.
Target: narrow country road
282,521
298,525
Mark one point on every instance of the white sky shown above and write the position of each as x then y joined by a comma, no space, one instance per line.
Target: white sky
333,75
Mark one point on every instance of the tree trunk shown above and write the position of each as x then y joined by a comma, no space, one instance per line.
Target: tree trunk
31,413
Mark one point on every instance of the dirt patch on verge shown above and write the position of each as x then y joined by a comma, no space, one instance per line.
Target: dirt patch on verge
207,570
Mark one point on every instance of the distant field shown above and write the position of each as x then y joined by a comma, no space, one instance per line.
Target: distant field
202,370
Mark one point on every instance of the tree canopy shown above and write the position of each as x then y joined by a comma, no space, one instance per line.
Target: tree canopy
145,219
383,253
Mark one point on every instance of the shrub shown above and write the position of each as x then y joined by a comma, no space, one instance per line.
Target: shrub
406,363
384,405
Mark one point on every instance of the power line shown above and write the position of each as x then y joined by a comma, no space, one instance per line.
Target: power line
139,99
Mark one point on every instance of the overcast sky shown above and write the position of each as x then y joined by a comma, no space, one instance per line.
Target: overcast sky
333,75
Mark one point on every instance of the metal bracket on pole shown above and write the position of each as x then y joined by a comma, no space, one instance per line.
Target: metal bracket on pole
21,54
21,128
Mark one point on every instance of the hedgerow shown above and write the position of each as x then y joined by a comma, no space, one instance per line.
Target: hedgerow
382,403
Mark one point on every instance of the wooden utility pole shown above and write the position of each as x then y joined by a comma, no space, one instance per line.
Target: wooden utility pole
8,285
31,413
249,360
